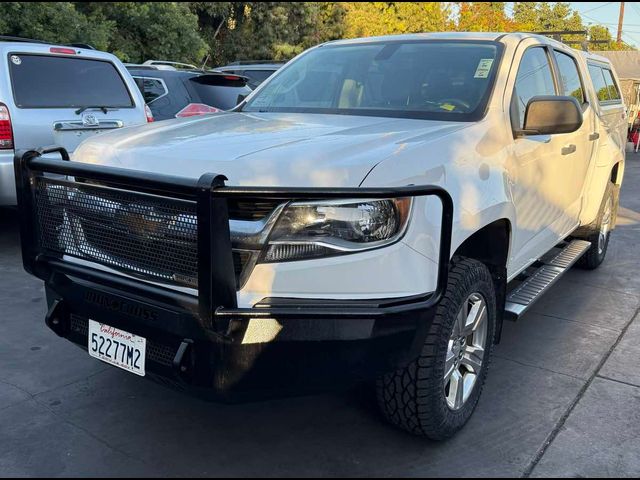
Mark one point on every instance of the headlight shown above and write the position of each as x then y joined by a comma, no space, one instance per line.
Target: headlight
317,229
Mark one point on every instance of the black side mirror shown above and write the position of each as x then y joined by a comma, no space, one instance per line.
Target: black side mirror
551,114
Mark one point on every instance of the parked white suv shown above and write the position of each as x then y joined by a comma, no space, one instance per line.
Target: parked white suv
375,210
59,94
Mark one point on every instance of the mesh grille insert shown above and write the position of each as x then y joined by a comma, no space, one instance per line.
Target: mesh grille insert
155,237
141,234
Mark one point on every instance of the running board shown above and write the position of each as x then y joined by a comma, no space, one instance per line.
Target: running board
533,287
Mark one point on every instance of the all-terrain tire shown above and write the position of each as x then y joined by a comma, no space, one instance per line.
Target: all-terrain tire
413,398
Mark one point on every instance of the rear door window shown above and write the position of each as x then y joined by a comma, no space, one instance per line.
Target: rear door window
599,84
48,81
612,86
569,76
534,79
151,88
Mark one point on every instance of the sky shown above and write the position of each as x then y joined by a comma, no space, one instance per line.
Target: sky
606,13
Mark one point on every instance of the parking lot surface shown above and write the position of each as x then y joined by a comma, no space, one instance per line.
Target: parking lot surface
562,397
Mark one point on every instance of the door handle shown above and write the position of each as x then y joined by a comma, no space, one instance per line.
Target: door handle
569,149
594,136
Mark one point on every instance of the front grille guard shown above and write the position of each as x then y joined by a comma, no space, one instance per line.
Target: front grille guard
216,304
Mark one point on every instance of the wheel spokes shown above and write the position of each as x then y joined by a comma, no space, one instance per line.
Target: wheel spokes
472,358
465,351
477,314
449,363
456,390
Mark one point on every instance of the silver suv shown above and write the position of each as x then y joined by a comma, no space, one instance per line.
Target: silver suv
53,94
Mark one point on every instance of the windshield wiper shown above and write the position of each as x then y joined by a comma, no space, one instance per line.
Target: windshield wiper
98,107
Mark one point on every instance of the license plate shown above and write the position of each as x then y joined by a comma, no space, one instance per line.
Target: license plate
117,347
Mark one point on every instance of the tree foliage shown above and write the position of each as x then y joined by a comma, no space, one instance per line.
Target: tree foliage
266,30
364,19
54,22
598,32
215,33
484,17
144,30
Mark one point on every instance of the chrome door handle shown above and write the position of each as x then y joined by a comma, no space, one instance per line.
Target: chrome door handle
594,136
569,149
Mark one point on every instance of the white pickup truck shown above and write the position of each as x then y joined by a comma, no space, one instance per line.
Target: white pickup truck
374,210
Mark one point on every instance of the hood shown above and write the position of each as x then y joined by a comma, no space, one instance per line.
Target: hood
269,149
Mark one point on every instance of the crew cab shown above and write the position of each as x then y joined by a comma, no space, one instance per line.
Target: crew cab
374,211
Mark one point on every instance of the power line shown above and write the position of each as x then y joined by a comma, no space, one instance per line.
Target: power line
600,6
629,39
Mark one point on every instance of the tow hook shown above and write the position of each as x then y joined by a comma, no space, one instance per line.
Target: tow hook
181,362
57,318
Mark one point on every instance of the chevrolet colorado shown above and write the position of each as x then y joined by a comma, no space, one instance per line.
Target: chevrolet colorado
373,211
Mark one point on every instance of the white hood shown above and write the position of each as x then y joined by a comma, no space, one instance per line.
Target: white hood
270,149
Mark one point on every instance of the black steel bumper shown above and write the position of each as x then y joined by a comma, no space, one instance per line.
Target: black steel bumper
198,342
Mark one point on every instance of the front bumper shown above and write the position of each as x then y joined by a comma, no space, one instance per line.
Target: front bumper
223,366
203,343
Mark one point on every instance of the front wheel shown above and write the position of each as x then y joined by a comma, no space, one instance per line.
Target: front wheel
435,395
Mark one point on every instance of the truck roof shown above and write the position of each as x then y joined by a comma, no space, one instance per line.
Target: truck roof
596,56
425,36
486,36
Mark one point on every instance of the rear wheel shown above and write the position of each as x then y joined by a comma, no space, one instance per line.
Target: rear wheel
599,238
435,395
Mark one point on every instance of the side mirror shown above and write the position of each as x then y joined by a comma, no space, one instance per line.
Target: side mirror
551,114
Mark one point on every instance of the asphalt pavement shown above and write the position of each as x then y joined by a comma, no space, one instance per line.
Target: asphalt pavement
562,397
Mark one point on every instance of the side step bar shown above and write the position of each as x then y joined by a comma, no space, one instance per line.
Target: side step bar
551,268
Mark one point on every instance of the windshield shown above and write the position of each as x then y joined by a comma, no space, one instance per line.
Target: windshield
449,80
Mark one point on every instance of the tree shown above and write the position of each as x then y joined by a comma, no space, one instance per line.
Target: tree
58,22
599,32
543,16
484,17
546,17
266,30
147,30
364,19
525,16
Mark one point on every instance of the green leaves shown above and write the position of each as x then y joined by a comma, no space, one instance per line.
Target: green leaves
221,32
135,31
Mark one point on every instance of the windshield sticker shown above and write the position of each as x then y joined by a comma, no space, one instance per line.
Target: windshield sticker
448,107
484,67
16,59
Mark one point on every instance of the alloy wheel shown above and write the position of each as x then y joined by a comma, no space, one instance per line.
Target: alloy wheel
465,351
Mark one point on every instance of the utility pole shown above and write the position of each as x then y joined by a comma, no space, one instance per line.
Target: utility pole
620,20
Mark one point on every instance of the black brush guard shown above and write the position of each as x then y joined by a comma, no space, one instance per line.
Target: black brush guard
204,332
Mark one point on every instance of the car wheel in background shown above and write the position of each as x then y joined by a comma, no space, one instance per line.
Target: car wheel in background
601,234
